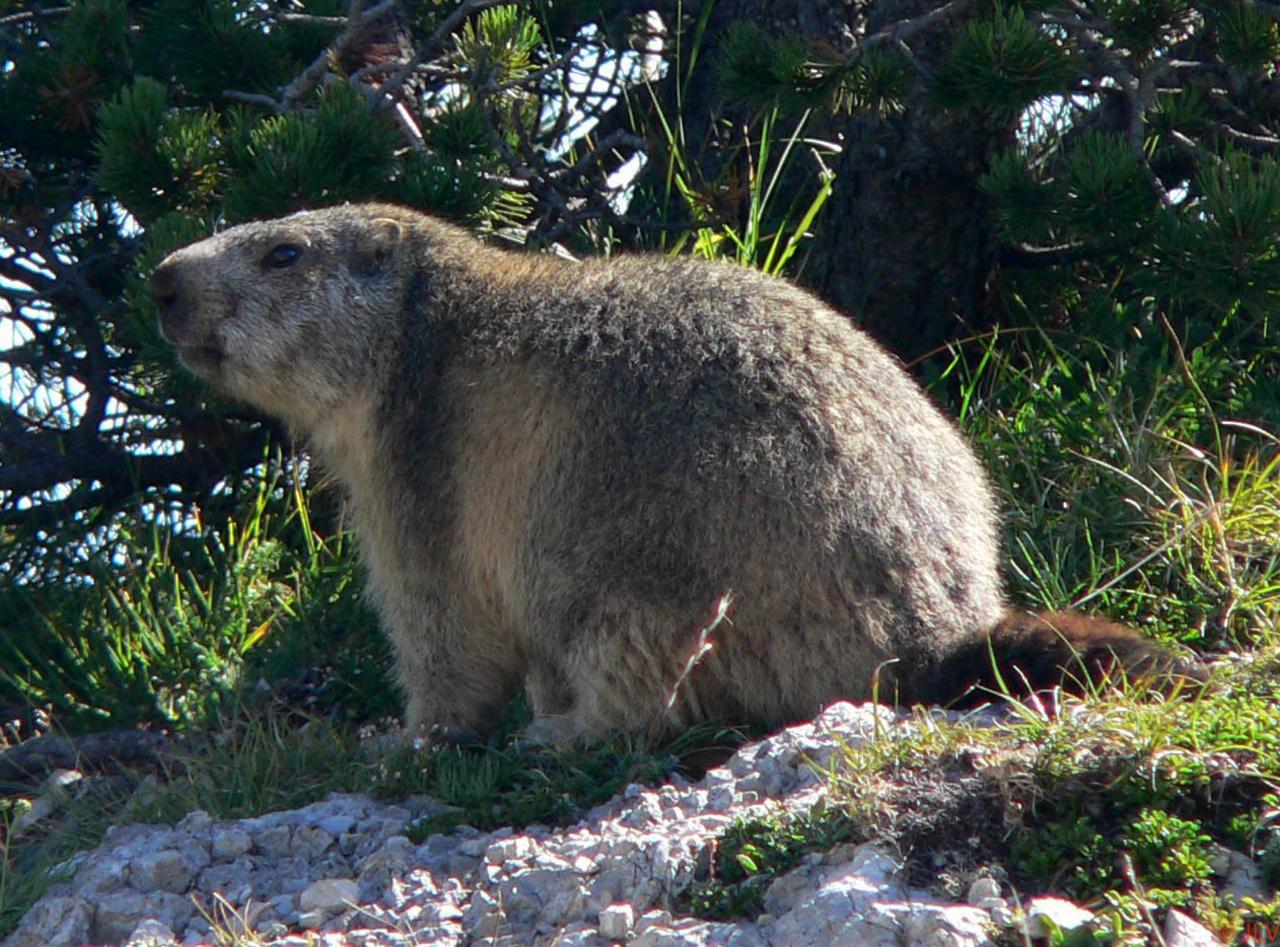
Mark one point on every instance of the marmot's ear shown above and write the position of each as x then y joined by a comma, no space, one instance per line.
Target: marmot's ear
376,247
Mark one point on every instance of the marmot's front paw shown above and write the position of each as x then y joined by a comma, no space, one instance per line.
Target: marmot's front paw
548,732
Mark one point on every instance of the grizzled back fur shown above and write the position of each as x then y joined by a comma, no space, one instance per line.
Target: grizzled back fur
561,471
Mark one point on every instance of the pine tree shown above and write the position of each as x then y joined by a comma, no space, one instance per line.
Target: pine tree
1090,143
133,128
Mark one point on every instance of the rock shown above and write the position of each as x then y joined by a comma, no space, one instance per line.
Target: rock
350,843
167,870
655,918
50,798
197,931
54,919
273,842
226,877
945,925
312,920
1062,915
616,921
337,825
329,895
983,889
152,933
376,872
1219,859
1002,915
230,843
36,811
310,842
196,823
690,933
117,915
516,848
60,780
399,846
1182,931
870,869
1243,879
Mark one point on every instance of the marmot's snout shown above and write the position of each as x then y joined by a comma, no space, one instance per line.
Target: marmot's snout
176,304
172,301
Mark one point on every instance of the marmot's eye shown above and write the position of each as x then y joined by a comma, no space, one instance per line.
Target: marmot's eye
285,254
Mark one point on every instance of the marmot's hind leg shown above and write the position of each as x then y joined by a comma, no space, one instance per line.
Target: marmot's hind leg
625,668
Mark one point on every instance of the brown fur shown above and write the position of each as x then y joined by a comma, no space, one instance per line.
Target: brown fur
512,430
1026,652
558,470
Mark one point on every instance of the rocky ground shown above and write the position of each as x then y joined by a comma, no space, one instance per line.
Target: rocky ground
343,872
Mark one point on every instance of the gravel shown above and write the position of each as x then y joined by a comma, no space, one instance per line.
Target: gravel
343,872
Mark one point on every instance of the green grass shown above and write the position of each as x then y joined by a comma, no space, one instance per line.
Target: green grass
507,783
1123,490
741,214
1124,793
164,631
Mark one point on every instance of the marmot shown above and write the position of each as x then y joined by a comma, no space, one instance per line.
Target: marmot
560,473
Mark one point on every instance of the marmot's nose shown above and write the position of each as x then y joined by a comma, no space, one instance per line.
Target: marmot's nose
167,291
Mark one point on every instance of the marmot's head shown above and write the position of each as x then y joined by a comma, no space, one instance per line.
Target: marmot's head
287,314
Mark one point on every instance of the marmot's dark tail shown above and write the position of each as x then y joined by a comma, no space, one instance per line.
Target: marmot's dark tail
1028,652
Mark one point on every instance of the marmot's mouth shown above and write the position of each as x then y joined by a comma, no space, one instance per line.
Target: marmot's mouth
202,359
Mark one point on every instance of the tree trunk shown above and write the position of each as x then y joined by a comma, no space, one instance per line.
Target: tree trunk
905,244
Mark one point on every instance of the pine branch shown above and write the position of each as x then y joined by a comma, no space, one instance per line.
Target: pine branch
389,91
896,35
1261,143
42,463
357,21
904,30
1270,9
381,94
1033,257
1193,147
312,19
1088,32
253,98
604,147
12,19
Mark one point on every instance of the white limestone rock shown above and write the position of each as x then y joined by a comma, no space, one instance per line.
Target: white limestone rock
329,895
1183,931
1045,914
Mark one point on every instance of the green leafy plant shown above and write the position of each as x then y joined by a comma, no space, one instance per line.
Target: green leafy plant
752,852
1168,851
